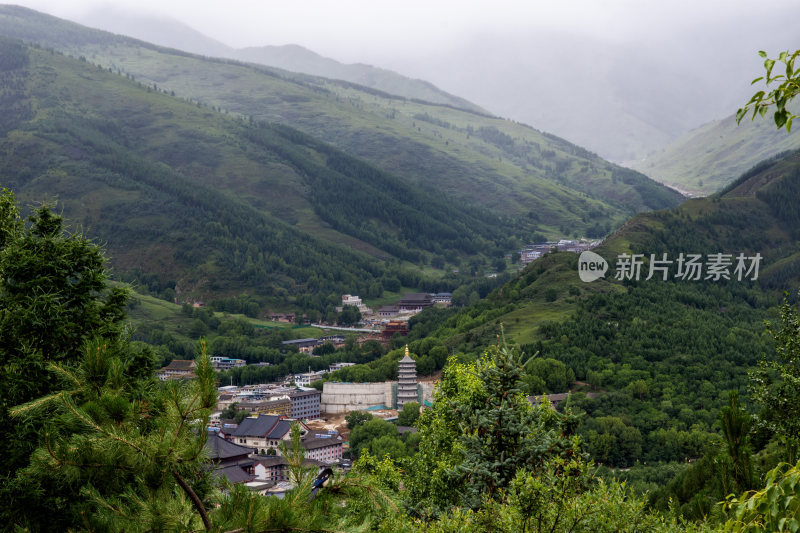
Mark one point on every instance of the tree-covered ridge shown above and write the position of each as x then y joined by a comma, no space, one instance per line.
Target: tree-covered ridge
750,217
216,205
547,183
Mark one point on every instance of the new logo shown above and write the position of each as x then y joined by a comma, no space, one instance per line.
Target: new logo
591,266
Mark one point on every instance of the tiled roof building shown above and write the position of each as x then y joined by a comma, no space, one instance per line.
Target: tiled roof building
177,368
263,432
229,460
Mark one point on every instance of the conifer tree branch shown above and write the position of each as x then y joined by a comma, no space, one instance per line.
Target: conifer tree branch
63,372
91,423
198,504
62,461
25,408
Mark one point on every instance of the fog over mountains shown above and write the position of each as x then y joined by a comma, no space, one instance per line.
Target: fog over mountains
619,92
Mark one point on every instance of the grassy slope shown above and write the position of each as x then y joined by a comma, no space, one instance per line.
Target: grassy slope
501,165
149,310
706,159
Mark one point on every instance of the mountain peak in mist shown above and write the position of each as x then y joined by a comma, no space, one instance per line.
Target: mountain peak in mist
154,29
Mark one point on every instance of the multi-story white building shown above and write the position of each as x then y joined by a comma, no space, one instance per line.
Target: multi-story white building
355,301
324,448
338,366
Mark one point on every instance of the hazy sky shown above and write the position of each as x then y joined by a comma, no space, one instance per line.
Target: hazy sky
363,30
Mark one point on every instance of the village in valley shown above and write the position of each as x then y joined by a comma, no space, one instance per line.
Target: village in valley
250,448
252,423
247,448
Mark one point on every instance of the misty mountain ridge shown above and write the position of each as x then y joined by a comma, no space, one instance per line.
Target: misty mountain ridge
602,107
622,100
157,30
543,182
292,57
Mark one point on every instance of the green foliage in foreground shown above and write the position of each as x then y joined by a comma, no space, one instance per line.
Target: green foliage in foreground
480,431
774,508
54,297
463,479
788,86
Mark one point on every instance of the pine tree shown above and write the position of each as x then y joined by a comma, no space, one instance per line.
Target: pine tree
479,434
54,297
506,433
132,449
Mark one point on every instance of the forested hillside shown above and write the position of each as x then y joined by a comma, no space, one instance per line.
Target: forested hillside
550,185
212,204
95,441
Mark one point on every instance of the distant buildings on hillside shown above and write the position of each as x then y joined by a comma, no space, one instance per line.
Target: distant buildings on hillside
184,368
296,402
338,397
307,345
355,301
536,250
414,302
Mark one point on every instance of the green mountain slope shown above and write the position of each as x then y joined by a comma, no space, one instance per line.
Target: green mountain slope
174,34
295,58
209,201
551,185
710,157
754,214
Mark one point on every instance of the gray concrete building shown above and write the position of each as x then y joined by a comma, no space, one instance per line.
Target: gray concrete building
305,404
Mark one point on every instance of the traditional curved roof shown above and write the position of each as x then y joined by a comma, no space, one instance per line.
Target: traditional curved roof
256,426
219,448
